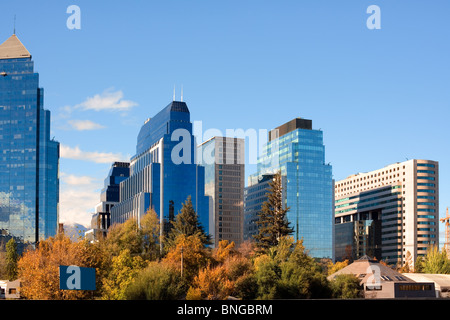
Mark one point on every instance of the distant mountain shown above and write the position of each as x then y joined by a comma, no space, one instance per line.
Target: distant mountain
74,230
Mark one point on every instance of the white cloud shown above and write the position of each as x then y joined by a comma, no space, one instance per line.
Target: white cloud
64,113
74,180
82,125
78,197
93,156
108,100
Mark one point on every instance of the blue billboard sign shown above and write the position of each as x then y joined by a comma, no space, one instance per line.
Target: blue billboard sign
76,278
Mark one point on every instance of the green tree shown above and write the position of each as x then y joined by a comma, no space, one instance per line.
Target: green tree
301,275
11,259
267,275
124,269
186,223
158,281
123,236
141,240
287,272
272,223
434,261
240,270
346,286
150,228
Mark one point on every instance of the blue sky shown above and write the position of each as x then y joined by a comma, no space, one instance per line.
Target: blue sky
380,96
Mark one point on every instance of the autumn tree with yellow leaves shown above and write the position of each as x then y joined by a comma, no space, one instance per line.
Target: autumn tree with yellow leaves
130,264
38,269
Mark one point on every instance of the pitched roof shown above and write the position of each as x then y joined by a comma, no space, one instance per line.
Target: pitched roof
12,48
365,269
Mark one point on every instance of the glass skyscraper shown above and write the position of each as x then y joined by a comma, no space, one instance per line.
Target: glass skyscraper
297,150
29,162
163,173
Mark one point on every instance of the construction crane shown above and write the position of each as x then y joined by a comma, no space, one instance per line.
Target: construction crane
446,220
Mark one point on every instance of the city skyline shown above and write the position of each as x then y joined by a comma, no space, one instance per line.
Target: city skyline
373,89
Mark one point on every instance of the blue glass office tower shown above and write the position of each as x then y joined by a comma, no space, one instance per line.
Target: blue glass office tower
163,173
110,193
254,197
109,197
297,150
29,183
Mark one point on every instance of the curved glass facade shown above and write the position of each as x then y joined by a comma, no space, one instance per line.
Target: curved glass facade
163,173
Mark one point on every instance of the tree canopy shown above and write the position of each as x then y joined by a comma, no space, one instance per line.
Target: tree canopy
130,265
434,261
273,224
186,223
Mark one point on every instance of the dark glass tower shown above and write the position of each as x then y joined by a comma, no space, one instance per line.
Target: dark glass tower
109,197
29,183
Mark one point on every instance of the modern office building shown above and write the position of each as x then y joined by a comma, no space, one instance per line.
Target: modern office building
298,152
224,162
391,213
163,173
110,196
254,197
29,162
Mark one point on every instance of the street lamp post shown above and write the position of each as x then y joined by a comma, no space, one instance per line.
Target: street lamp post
182,262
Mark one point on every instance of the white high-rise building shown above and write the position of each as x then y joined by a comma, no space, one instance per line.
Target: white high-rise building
390,213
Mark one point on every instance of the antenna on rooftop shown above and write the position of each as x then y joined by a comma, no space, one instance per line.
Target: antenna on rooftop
14,32
173,99
181,93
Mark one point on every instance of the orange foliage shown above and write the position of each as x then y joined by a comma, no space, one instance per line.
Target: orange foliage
211,284
224,250
194,255
39,268
222,278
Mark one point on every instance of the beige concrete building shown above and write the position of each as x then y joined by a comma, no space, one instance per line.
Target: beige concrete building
381,282
9,289
441,282
224,162
391,213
